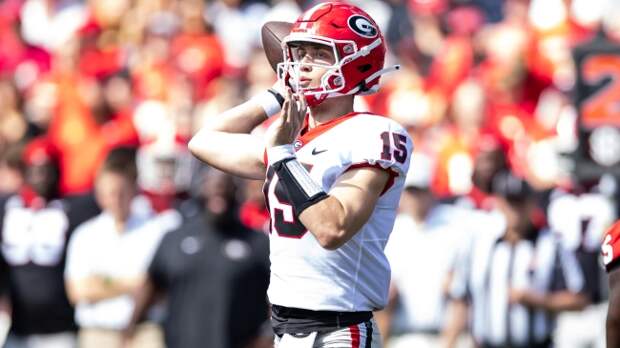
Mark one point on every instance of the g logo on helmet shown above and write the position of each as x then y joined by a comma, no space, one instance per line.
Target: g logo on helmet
362,26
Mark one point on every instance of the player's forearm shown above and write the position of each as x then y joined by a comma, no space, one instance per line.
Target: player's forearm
332,218
326,220
242,118
321,214
333,222
224,142
237,154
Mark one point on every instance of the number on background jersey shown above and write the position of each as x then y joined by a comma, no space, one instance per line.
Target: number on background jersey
601,107
38,238
400,147
283,220
581,220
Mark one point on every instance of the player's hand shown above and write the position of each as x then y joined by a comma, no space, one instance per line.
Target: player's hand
287,127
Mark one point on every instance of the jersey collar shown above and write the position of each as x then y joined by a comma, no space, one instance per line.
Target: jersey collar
307,134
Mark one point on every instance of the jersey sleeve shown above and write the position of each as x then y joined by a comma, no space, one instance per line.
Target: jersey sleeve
610,248
382,143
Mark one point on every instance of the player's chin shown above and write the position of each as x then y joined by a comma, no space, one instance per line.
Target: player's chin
305,84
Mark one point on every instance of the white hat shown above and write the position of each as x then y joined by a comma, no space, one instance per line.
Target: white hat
420,171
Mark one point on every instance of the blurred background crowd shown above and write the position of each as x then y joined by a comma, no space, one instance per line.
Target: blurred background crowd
98,100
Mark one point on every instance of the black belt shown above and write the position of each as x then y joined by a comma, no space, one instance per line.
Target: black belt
296,320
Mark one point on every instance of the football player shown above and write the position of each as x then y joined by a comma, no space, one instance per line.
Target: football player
611,258
333,177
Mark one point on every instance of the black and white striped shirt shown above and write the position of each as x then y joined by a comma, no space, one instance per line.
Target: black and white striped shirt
493,266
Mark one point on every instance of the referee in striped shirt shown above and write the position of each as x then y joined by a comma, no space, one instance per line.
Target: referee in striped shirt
514,281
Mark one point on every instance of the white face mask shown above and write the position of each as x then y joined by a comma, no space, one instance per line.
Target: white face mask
325,58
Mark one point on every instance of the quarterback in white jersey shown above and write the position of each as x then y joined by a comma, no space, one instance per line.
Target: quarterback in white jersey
333,177
355,276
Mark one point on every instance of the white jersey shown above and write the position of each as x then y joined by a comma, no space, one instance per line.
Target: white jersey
356,276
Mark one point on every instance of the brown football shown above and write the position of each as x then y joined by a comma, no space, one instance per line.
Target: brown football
272,34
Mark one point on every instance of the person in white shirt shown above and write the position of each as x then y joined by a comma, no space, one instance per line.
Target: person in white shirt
108,256
421,251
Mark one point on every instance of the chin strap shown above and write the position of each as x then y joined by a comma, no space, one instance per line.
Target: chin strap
374,76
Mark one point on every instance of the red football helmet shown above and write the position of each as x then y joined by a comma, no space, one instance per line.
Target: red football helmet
357,44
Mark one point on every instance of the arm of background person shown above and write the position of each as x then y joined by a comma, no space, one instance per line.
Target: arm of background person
96,288
566,291
143,299
556,301
456,322
458,291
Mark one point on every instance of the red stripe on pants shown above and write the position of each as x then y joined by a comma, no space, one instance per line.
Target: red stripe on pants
355,336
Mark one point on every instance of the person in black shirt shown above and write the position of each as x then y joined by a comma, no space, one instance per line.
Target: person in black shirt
34,228
215,273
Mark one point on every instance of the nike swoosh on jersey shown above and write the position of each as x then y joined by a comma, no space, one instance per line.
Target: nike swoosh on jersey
315,152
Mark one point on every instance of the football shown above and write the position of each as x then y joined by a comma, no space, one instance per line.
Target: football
272,34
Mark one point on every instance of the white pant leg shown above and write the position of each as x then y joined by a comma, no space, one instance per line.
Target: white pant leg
582,328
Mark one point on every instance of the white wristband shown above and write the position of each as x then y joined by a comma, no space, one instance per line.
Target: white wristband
278,153
268,101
